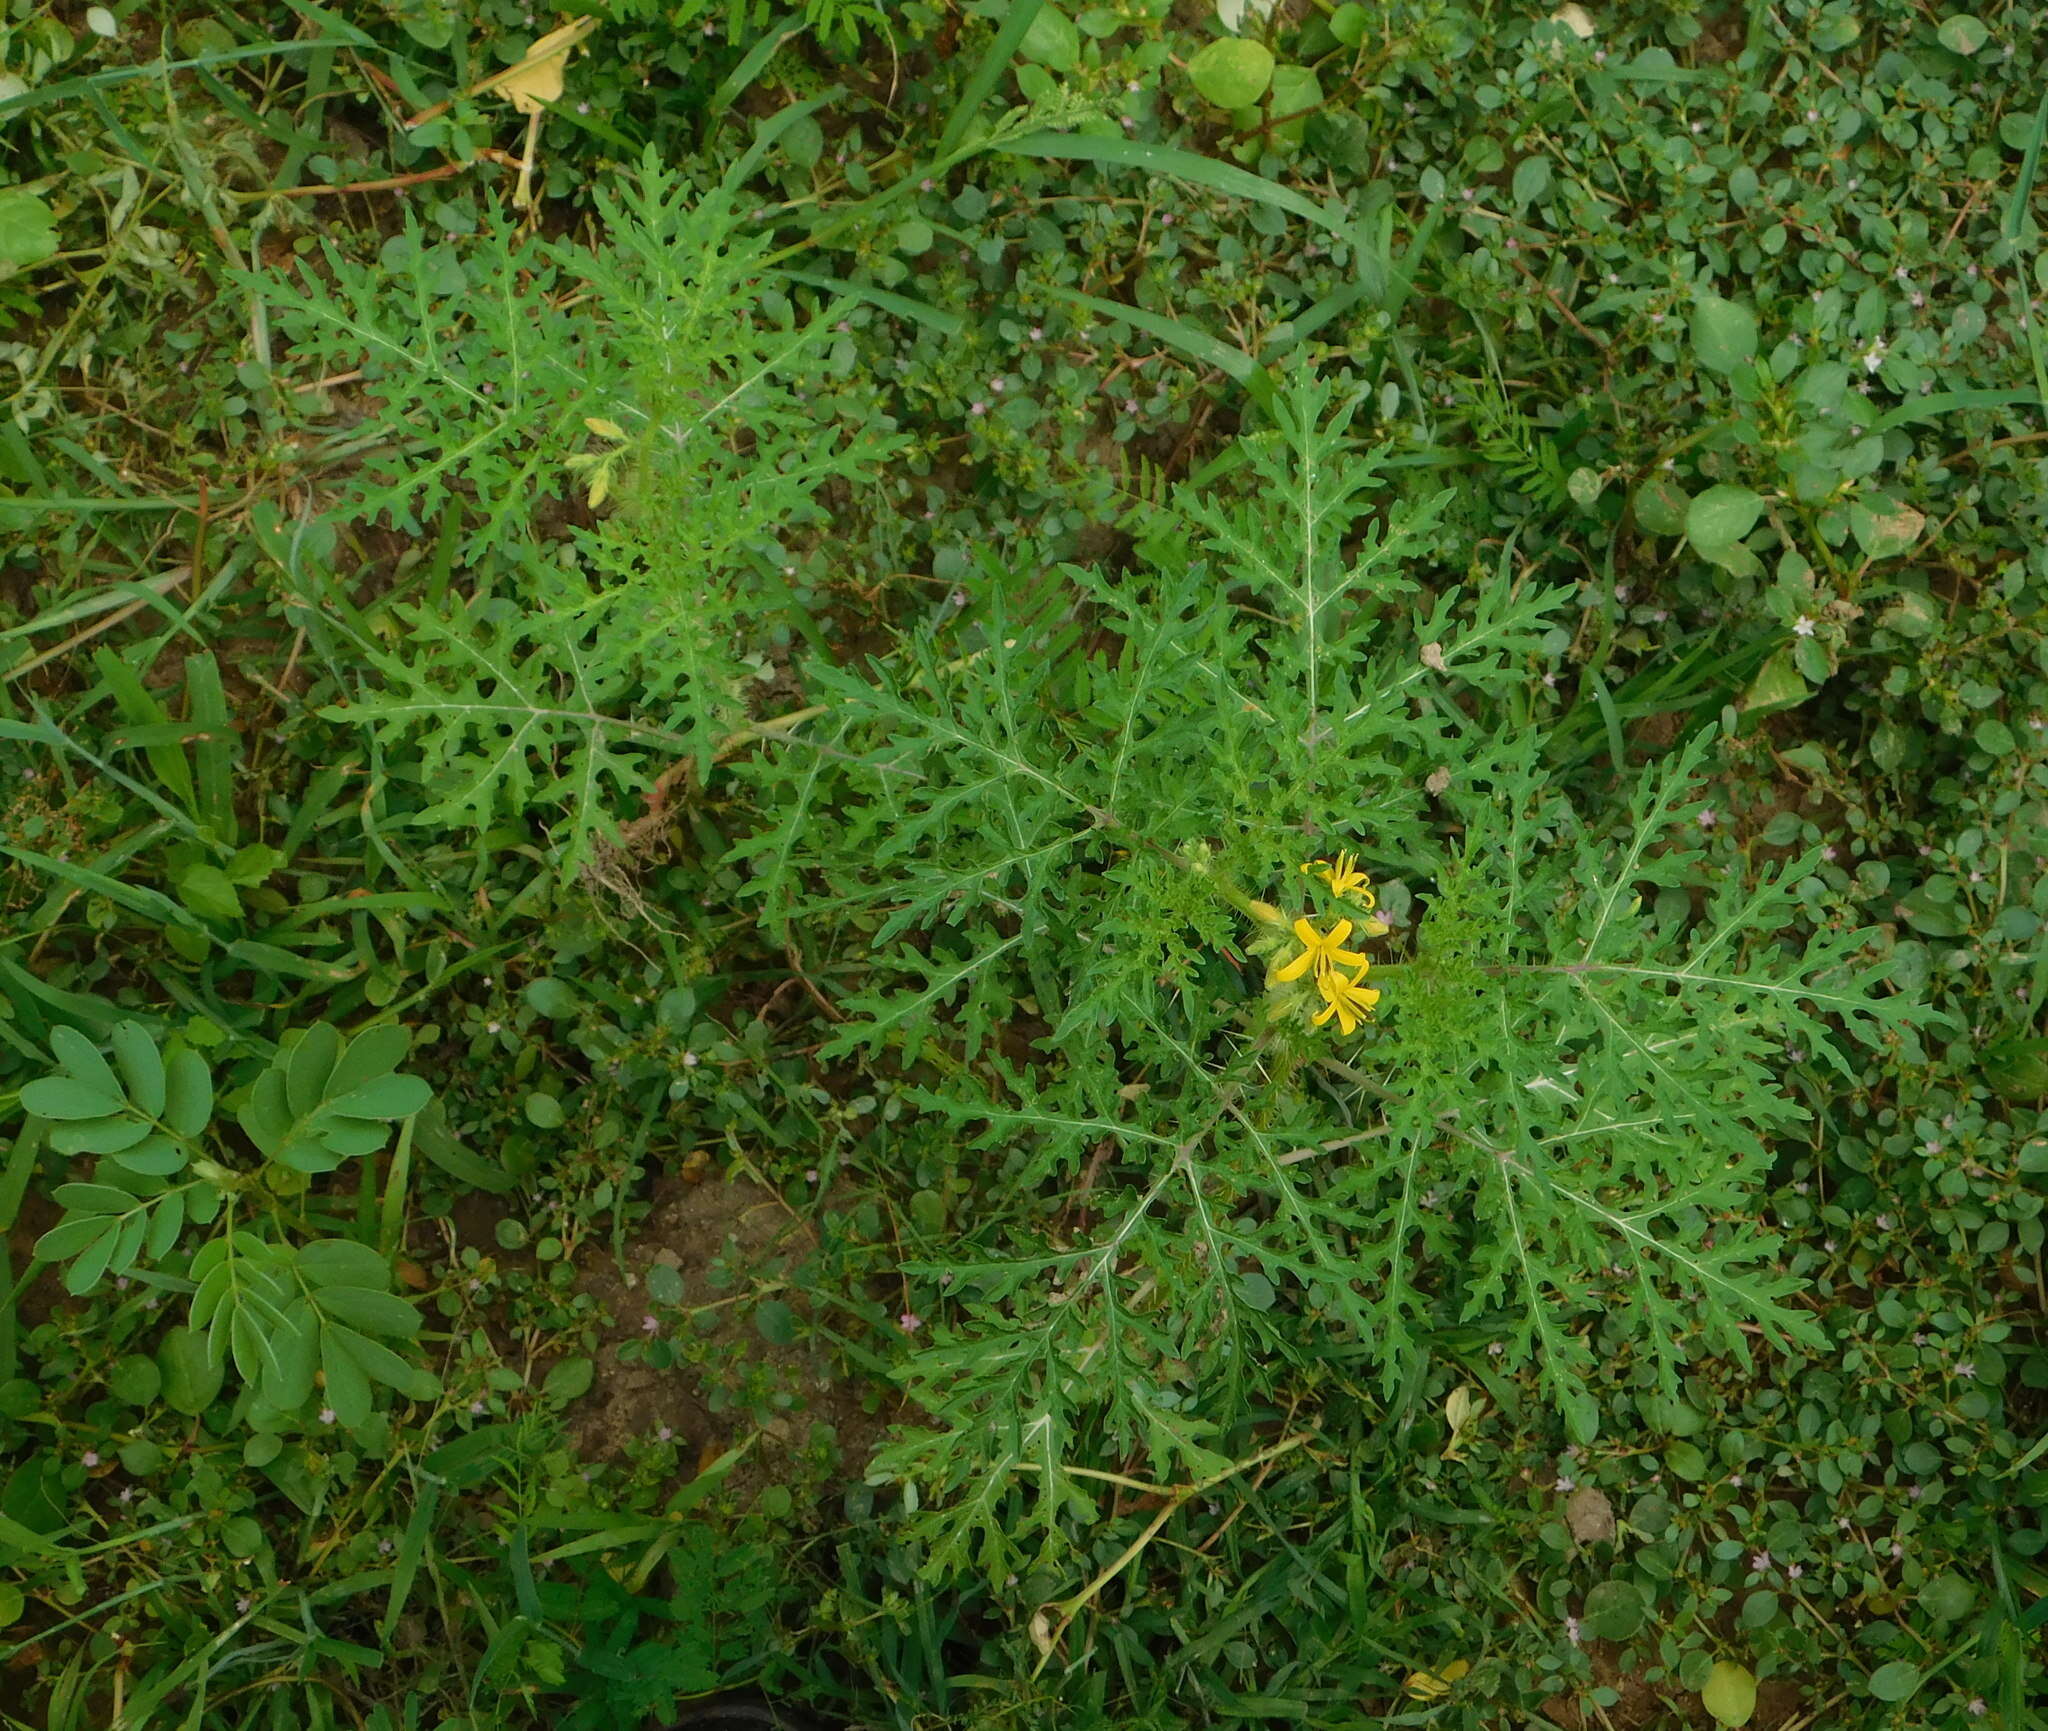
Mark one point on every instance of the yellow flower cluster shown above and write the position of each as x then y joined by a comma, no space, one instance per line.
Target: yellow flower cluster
1344,995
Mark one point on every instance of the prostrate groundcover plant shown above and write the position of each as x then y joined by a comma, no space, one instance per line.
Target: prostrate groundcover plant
1121,862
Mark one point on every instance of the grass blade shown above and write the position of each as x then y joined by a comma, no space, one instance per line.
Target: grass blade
1022,14
411,1550
1195,343
1178,165
749,69
918,312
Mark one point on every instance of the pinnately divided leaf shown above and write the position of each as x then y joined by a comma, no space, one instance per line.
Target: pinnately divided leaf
1078,864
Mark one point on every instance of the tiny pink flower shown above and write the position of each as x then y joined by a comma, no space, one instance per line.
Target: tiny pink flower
327,1415
91,1457
650,1325
1761,1562
665,1434
910,1322
1571,1630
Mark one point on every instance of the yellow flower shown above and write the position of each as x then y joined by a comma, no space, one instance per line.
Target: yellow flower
1345,999
1345,879
1321,951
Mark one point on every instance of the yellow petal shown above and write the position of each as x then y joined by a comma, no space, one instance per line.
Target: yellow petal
1296,968
1324,1014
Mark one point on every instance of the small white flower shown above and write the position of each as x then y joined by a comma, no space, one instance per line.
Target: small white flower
1802,626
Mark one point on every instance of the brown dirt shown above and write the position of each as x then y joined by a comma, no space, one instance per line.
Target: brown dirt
692,1223
1665,1707
39,1302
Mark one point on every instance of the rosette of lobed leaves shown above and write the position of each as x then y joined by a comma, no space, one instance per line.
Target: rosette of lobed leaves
567,668
283,1311
1046,847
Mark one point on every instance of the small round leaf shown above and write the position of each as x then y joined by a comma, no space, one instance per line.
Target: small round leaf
136,1380
1052,40
1614,1610
1232,73
1963,34
1730,1694
1723,333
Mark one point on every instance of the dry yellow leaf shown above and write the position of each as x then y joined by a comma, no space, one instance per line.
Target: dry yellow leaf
1433,1685
537,79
